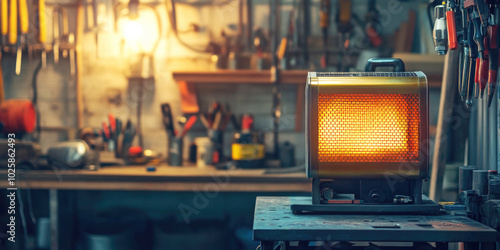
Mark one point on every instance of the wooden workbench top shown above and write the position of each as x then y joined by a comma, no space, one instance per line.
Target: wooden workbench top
165,178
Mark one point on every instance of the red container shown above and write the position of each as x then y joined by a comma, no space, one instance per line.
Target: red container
17,116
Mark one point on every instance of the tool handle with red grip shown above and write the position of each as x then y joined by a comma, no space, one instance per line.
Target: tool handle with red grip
483,74
476,76
493,36
452,30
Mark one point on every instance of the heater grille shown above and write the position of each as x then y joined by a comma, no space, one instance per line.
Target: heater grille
368,128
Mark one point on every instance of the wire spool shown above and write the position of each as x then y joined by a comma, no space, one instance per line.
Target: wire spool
17,116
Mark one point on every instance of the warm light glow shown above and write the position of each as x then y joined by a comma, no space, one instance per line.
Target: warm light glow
140,34
368,127
131,30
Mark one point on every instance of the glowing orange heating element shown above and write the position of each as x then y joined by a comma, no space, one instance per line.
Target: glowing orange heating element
368,127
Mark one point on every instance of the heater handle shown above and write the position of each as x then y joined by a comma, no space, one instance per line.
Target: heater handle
373,63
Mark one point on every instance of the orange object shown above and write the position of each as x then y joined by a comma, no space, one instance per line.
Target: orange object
374,37
189,103
368,128
17,116
452,30
190,122
135,151
483,75
476,77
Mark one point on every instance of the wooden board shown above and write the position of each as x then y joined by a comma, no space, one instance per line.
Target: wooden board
240,76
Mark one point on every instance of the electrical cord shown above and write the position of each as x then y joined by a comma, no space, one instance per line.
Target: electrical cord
173,24
34,100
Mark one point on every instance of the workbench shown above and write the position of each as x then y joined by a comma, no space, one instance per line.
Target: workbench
165,178
274,221
63,184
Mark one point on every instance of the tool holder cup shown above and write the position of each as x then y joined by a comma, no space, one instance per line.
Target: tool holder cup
217,138
175,150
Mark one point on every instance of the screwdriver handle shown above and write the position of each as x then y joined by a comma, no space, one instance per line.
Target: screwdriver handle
42,22
452,30
4,17
492,75
483,74
476,76
12,22
23,17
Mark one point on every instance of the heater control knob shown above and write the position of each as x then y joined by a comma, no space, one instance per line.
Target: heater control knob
327,193
377,196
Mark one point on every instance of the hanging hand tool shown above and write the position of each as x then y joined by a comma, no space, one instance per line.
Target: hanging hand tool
324,23
344,27
493,43
473,54
461,23
42,31
72,56
23,32
60,18
451,24
482,69
4,21
372,22
465,61
440,33
12,36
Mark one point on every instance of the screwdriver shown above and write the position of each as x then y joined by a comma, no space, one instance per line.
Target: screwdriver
451,25
24,26
493,43
42,30
473,53
484,68
4,19
12,36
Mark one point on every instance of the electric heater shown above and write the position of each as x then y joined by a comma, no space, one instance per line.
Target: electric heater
367,140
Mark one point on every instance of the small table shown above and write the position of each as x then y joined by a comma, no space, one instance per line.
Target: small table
274,221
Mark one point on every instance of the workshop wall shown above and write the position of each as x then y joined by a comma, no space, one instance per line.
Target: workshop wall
107,64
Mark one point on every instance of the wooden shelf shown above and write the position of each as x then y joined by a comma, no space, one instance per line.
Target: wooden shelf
433,68
240,76
165,178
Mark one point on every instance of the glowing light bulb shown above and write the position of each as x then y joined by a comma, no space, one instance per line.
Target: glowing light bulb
132,30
